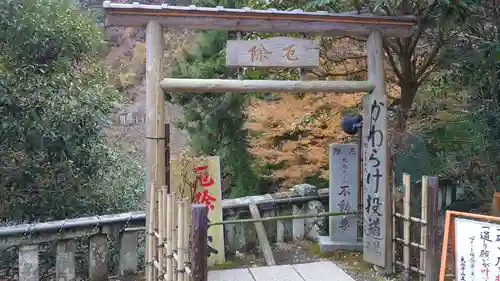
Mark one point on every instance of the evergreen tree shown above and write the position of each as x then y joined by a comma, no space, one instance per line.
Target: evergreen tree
54,104
214,121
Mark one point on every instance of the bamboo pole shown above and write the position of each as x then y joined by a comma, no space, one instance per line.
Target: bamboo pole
199,265
156,238
169,233
155,133
175,232
413,219
423,227
187,229
413,244
167,157
406,232
278,218
394,215
161,230
180,85
180,241
290,217
150,240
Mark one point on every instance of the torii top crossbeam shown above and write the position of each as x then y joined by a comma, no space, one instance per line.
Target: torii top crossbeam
247,19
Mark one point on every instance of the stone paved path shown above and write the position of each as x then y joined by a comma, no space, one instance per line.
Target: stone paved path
316,271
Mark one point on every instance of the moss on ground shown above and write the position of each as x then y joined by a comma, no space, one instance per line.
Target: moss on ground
353,259
228,264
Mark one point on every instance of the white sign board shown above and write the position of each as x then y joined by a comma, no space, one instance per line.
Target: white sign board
274,52
344,184
375,179
477,250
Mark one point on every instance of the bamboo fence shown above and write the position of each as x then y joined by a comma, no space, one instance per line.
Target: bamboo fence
427,243
169,231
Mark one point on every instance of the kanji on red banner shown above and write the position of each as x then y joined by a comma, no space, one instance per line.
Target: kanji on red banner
205,179
205,198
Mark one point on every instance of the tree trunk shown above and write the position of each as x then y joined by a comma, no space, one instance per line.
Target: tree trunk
408,93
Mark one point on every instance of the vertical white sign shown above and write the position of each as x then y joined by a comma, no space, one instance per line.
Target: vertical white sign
375,168
344,184
477,250
374,185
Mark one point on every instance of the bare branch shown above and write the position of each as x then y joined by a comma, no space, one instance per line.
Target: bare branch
435,50
396,48
431,57
416,37
424,76
392,62
341,74
339,60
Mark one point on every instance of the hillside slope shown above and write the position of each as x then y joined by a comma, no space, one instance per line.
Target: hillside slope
127,59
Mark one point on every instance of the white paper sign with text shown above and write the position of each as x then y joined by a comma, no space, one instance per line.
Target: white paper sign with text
477,250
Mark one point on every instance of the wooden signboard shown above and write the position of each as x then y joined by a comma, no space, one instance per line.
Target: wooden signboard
475,243
200,180
274,52
375,180
376,200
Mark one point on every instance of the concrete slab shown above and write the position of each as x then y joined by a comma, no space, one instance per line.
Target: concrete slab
230,275
276,273
321,271
326,245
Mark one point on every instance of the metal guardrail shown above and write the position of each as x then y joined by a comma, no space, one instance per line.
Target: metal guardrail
138,217
86,222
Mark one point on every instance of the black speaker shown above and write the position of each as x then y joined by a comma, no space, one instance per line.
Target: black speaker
351,123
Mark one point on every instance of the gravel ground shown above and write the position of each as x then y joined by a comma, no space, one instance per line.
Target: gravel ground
304,252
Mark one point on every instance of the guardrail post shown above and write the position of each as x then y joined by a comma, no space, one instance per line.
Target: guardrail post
199,264
98,258
28,263
128,253
65,260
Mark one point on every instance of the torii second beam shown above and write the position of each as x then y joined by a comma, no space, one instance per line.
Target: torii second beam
177,85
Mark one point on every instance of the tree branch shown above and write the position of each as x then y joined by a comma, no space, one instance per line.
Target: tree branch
329,74
396,48
338,60
416,37
425,75
435,50
431,57
392,62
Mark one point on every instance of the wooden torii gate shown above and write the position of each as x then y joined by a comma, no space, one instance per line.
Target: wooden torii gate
377,223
